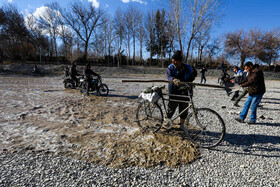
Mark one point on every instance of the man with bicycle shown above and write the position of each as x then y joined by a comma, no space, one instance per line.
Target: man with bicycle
178,72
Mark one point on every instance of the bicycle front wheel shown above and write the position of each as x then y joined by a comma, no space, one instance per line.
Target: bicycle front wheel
149,116
205,127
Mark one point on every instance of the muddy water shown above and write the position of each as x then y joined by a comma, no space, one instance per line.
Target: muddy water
38,114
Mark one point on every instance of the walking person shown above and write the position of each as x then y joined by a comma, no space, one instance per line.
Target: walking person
178,72
256,89
202,71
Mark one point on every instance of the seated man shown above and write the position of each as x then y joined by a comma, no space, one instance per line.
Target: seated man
88,74
74,74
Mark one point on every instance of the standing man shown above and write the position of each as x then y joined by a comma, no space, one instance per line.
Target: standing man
256,89
178,72
202,71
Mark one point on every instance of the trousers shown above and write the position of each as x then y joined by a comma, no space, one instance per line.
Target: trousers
251,102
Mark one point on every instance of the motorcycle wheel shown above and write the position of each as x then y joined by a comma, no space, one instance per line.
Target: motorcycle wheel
68,84
83,87
103,90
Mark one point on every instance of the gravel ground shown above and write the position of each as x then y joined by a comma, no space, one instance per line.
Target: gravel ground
248,156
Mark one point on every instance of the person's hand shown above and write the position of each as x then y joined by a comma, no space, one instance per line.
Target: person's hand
176,82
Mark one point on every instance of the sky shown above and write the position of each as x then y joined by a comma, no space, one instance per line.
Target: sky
238,14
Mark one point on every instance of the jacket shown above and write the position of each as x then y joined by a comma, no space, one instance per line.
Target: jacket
184,75
255,82
238,76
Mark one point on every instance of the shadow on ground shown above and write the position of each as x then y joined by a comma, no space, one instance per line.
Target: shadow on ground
251,144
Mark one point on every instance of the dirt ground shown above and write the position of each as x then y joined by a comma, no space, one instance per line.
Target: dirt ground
37,114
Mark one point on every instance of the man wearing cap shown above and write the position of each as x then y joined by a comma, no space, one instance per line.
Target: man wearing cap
178,72
256,89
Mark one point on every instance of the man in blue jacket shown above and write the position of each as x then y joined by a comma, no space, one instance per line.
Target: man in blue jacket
178,72
237,78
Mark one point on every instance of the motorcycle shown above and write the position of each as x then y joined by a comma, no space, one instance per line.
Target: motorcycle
95,85
224,79
70,83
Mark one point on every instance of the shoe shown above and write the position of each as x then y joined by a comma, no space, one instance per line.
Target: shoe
167,124
239,120
251,122
235,104
233,99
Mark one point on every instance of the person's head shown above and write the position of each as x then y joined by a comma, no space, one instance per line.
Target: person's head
235,68
257,66
177,59
248,66
88,66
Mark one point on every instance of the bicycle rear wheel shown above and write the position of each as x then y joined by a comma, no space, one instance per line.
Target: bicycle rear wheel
206,128
149,116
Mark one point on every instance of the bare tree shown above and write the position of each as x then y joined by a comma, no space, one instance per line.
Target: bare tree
267,48
119,26
150,30
238,44
128,14
201,40
39,41
83,19
178,19
104,37
213,48
202,12
49,21
141,34
14,36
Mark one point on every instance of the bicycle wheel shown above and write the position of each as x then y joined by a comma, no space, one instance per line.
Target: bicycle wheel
206,128
103,90
149,116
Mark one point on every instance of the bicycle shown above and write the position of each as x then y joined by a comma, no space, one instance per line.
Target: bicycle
203,126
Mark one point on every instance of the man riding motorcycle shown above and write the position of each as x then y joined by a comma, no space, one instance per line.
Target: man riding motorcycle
88,75
74,74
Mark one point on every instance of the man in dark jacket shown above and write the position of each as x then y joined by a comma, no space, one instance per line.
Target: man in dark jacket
256,89
74,74
178,72
88,74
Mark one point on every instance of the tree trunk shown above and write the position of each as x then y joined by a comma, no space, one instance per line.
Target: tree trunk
188,49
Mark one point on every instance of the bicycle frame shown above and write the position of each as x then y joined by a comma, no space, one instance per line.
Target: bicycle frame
190,102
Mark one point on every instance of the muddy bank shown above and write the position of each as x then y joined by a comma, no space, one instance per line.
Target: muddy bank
39,115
